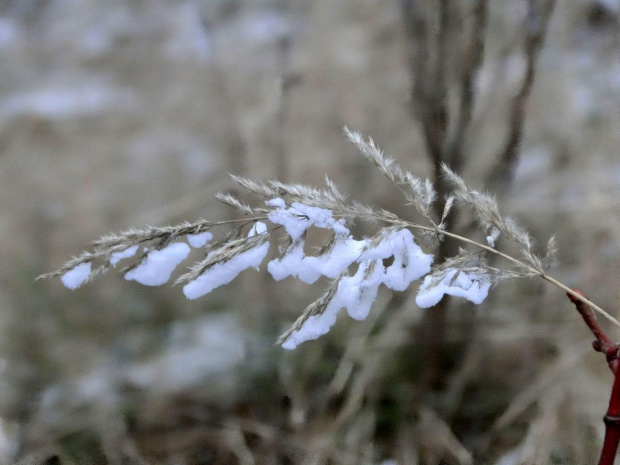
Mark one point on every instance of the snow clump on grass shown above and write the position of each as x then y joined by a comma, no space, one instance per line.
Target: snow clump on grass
199,240
75,277
474,287
357,293
342,252
159,265
225,270
127,253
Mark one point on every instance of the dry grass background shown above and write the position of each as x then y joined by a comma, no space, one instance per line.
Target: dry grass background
124,113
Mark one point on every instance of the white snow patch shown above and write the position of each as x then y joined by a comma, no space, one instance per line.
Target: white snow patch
127,253
296,220
299,217
357,293
75,278
331,264
473,287
200,239
293,221
309,269
258,228
289,263
277,202
315,326
321,218
156,269
224,272
410,262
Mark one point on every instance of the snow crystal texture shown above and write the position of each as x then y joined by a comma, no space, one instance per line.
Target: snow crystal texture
75,277
296,220
127,253
158,265
473,287
199,240
357,293
224,272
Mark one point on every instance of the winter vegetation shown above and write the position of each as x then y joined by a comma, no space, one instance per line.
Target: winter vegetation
409,306
466,274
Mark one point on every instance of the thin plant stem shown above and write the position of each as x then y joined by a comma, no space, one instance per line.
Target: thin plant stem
518,262
612,425
610,350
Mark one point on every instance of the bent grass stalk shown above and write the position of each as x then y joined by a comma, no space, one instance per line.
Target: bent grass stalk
467,274
518,262
544,276
295,208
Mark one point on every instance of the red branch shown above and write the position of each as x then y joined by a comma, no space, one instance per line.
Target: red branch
612,351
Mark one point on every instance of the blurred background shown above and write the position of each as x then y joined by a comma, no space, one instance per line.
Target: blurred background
132,112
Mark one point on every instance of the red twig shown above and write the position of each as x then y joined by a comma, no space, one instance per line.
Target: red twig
603,344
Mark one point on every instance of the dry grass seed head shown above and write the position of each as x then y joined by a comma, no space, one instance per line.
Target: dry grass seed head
222,254
317,307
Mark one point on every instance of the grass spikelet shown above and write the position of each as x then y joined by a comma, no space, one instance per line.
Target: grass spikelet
234,202
317,307
222,254
254,187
